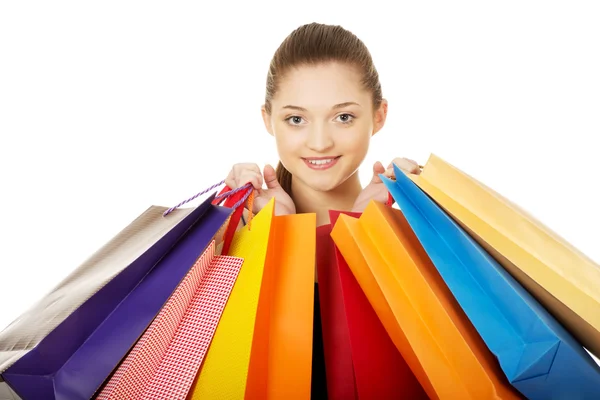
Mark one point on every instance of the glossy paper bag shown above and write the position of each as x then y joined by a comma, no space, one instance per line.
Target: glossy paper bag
143,242
166,359
538,356
225,369
559,276
423,319
280,359
361,359
108,324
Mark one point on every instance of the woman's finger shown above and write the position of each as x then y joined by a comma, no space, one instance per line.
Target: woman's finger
406,165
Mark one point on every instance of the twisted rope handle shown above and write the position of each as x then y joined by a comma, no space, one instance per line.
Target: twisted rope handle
222,196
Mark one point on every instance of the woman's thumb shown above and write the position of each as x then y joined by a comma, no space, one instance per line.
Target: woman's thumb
270,177
378,168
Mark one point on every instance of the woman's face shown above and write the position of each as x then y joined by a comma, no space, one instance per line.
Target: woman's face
322,119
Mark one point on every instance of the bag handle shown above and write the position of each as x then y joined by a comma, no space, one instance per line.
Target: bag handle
235,199
390,201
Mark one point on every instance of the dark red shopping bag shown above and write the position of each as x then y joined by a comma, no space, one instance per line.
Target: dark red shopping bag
361,361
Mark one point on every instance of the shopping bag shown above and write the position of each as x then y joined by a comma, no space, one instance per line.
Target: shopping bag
6,393
143,242
262,346
224,371
417,309
561,278
281,353
166,359
538,356
337,354
104,327
361,361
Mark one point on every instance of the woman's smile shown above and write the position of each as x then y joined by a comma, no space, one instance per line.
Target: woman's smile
320,163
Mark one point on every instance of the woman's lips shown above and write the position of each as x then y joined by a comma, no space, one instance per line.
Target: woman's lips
320,163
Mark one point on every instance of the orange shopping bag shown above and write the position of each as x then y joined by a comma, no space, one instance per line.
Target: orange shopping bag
262,347
281,356
425,322
559,276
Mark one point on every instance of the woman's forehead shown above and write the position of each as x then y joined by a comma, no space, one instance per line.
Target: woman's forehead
321,85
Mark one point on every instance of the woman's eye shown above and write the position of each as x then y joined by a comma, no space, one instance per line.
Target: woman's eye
345,118
294,120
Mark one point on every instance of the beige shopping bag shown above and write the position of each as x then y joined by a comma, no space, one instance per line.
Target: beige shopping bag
562,278
132,243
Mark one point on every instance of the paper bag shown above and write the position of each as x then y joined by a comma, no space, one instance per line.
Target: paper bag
559,276
361,359
538,356
166,359
427,325
108,324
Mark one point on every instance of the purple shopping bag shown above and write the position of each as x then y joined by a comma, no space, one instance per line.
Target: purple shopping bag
77,356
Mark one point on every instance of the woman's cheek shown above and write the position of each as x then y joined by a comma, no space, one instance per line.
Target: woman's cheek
289,141
355,142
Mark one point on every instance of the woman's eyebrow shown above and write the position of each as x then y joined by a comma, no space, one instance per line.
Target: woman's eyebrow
346,104
341,105
290,107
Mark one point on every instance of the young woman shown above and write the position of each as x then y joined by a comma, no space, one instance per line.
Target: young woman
323,104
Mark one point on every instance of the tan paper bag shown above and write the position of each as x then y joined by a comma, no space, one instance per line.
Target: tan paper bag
31,327
562,278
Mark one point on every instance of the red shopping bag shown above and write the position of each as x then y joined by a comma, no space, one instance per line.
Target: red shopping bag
166,359
361,361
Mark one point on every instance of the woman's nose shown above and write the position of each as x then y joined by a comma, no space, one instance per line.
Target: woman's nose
319,138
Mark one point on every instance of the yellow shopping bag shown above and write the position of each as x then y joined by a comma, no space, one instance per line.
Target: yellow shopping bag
262,347
225,369
563,279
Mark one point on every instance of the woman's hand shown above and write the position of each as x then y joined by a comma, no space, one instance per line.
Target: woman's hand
376,189
244,173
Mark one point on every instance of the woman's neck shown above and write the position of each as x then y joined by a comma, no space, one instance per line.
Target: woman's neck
341,198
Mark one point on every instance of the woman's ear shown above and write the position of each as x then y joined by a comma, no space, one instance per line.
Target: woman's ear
267,120
380,116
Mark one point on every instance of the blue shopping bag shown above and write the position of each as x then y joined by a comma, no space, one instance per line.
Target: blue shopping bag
539,357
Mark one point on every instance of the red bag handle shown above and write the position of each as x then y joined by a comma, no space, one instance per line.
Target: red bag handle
390,201
234,198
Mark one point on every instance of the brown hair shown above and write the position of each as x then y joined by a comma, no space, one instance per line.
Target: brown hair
313,44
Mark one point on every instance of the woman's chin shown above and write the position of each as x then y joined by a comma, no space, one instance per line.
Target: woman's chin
321,184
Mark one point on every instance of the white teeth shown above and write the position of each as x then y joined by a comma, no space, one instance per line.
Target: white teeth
320,162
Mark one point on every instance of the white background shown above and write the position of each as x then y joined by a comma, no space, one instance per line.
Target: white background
109,107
